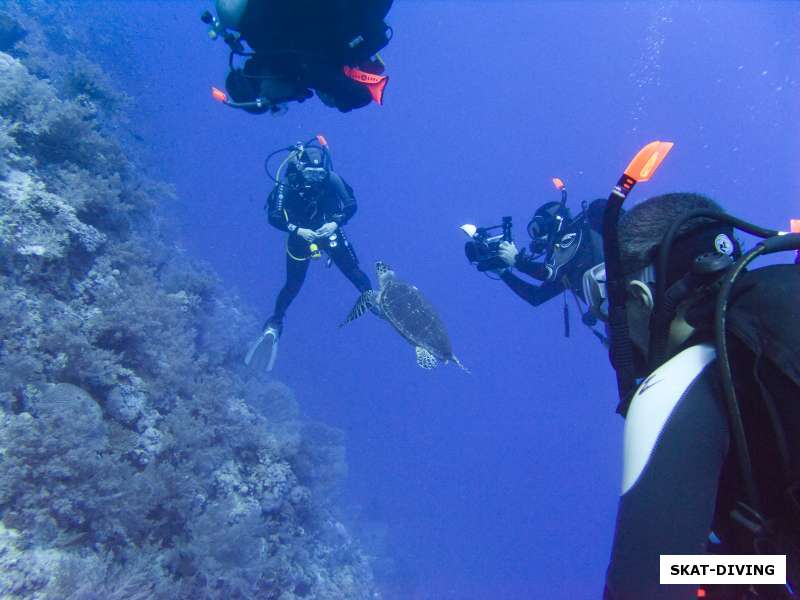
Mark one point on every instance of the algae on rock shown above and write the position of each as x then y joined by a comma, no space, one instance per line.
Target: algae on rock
134,449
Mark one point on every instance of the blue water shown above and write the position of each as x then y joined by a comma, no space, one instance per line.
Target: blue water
502,483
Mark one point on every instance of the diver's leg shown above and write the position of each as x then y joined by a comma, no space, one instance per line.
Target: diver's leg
676,441
295,276
344,256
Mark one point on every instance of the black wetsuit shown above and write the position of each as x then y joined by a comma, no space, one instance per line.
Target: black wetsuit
310,208
557,277
303,45
680,479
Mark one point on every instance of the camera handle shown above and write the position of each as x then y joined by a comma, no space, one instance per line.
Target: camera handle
506,229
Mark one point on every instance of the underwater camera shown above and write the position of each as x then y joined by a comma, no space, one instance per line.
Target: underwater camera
484,243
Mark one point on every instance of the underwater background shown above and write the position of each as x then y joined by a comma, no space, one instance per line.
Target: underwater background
498,484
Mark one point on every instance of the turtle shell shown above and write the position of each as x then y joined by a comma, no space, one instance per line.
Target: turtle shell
413,316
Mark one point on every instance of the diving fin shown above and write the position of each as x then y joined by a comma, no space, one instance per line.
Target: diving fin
264,350
376,84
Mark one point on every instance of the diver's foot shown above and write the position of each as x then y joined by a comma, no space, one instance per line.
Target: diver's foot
275,326
262,353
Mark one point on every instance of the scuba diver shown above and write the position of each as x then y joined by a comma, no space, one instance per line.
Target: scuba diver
562,248
298,47
311,203
708,368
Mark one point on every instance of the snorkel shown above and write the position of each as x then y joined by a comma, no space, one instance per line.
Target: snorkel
641,168
561,187
794,227
259,103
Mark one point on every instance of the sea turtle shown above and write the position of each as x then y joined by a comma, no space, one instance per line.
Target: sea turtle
410,313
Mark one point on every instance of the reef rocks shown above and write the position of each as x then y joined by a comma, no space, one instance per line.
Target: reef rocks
11,32
137,458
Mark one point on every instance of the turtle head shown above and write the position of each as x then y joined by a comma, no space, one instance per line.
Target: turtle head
383,270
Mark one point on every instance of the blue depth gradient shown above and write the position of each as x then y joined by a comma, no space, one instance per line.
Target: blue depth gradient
501,484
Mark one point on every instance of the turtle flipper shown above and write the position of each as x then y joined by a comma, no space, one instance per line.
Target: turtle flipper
365,302
425,359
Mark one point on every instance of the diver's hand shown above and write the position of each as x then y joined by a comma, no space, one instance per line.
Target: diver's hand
507,251
327,229
307,234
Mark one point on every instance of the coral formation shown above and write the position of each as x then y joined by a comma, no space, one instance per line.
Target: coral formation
137,459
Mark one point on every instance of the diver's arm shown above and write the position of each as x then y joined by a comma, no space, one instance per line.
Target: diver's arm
345,200
276,210
525,264
532,294
522,261
667,505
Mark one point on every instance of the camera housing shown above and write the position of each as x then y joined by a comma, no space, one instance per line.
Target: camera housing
483,247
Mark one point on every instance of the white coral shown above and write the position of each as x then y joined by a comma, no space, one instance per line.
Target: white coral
34,222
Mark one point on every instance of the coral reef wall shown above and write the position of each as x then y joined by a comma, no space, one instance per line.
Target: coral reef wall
137,458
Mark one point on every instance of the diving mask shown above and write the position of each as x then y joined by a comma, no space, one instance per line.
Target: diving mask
314,175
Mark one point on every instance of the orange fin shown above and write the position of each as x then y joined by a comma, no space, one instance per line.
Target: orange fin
376,84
